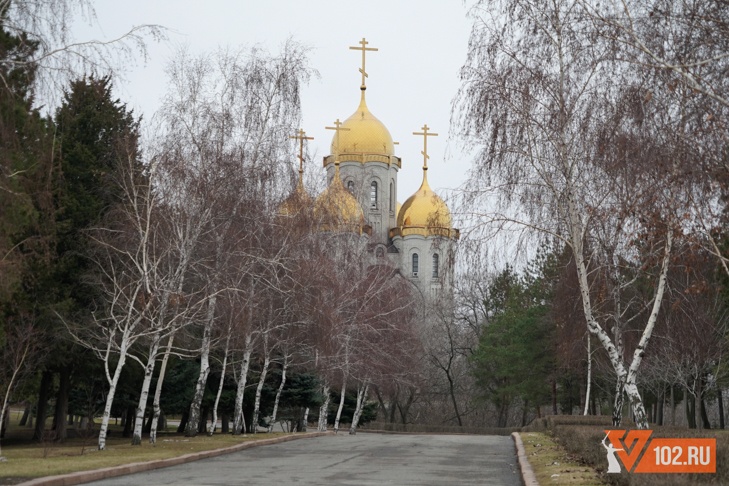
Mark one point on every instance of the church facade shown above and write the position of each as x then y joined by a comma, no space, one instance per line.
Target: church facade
362,168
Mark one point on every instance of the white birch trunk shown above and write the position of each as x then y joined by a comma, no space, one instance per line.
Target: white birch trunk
214,423
113,381
278,394
321,424
361,397
259,389
193,422
158,391
341,403
305,422
628,377
144,394
238,420
631,388
589,375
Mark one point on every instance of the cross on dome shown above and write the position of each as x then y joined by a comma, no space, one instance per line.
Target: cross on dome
301,136
425,135
337,128
364,49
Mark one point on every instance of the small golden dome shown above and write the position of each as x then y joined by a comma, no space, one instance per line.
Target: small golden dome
363,133
296,203
424,209
337,208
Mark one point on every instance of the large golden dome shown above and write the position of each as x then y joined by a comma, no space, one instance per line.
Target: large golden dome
362,133
424,209
337,209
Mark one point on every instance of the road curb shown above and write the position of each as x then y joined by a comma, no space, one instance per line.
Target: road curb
136,467
527,473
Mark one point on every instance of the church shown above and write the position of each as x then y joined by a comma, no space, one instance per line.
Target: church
416,237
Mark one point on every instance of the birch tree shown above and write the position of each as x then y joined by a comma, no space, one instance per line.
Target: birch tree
236,110
680,49
18,349
533,100
125,257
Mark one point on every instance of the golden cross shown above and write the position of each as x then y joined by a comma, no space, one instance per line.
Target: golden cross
425,135
364,49
338,128
301,136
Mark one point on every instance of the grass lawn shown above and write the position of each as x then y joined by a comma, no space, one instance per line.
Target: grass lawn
27,459
553,465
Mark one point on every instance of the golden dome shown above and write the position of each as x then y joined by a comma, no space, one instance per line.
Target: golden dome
296,203
337,208
424,209
363,133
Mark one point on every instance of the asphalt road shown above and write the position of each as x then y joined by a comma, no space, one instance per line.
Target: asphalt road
362,459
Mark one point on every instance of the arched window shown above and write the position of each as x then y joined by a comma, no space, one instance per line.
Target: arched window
392,196
350,186
373,195
415,264
436,260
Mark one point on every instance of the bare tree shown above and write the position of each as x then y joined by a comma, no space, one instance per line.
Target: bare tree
235,111
45,27
20,345
535,101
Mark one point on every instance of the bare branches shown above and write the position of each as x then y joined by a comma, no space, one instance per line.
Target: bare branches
44,28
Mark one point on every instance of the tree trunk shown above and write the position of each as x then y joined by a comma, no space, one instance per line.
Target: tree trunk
61,412
144,393
690,407
156,410
324,409
673,405
636,403
259,390
618,403
26,414
278,394
224,424
589,374
214,421
183,421
661,405
43,391
238,420
452,392
554,396
193,424
720,402
305,420
128,421
404,410
204,414
341,403
104,427
361,398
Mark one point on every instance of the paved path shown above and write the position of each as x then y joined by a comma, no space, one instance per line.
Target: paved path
363,459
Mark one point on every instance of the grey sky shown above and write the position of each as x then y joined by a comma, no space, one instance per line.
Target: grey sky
413,78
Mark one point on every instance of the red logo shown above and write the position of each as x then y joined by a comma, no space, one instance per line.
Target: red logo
638,453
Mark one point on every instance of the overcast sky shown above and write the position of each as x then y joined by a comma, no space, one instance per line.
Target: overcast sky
413,78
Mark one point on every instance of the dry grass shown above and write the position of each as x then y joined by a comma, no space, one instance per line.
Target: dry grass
27,459
553,465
